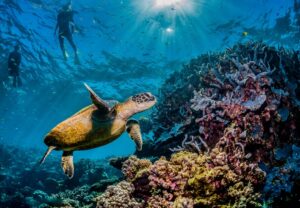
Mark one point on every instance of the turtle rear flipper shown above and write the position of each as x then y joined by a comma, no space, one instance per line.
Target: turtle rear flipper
134,131
67,163
49,150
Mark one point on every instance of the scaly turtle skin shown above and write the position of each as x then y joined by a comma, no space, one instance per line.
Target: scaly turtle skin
96,125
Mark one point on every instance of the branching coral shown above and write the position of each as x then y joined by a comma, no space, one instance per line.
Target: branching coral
194,144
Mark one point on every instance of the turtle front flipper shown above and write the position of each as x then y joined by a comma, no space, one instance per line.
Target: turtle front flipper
134,131
102,106
67,163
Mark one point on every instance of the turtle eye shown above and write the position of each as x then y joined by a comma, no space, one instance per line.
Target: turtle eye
128,129
148,95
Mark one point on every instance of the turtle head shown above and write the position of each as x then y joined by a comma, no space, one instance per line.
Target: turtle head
138,103
143,101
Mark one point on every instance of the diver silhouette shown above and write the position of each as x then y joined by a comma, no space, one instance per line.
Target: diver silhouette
66,27
14,61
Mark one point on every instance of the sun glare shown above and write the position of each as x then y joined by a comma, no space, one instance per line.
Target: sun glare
165,21
169,30
161,4
177,6
186,6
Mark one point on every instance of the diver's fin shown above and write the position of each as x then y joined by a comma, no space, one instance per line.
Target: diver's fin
102,106
67,163
134,131
50,148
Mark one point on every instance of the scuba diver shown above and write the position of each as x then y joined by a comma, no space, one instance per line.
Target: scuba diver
66,27
14,61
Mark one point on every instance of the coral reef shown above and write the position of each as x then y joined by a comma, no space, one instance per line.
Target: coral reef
253,86
283,181
247,83
118,196
190,180
235,109
132,166
24,183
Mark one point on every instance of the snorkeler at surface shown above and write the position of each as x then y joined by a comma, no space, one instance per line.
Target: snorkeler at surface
14,61
66,27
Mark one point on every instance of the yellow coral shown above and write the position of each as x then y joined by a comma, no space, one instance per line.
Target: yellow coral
183,202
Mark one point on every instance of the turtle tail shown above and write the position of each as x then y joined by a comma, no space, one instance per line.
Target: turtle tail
49,150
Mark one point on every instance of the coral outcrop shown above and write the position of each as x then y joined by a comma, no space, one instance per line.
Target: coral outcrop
224,117
253,85
191,180
119,196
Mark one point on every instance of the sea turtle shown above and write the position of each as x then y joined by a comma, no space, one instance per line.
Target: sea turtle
96,125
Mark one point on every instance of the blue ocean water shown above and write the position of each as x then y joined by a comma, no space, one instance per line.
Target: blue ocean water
125,47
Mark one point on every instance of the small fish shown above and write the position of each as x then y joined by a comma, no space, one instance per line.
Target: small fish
245,33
